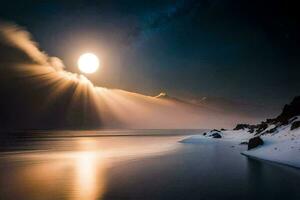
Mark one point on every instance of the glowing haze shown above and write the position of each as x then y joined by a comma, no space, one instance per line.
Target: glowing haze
38,93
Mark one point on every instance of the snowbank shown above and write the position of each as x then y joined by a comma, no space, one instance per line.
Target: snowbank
281,146
280,135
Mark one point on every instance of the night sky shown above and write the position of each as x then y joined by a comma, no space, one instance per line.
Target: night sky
240,50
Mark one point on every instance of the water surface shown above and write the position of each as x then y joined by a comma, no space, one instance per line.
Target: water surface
114,165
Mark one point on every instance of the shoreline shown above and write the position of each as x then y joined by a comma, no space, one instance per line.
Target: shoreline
203,139
270,161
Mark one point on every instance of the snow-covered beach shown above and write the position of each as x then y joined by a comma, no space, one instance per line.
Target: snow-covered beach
282,147
280,136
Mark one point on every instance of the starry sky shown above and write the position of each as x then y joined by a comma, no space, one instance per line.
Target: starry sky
239,50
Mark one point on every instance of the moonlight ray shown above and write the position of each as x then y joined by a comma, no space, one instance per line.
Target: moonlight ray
70,100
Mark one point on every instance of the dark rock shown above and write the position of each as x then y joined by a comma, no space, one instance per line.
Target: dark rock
216,135
241,126
295,125
289,111
272,130
254,142
223,129
269,121
251,129
204,133
243,143
215,130
261,127
293,119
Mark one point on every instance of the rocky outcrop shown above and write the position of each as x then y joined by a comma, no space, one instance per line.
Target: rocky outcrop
213,134
261,127
241,127
255,142
289,115
216,135
295,125
289,111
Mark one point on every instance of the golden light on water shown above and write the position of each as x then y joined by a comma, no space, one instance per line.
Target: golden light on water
87,186
88,63
75,168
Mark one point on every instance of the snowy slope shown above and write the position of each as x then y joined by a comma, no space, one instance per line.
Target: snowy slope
282,147
281,136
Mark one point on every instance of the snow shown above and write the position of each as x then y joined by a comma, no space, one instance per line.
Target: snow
198,139
236,136
282,146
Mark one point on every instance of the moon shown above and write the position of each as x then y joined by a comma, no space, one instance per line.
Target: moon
88,63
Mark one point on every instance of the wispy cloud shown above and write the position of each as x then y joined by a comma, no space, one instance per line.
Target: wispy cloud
22,48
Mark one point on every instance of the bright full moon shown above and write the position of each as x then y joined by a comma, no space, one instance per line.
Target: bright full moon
88,63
